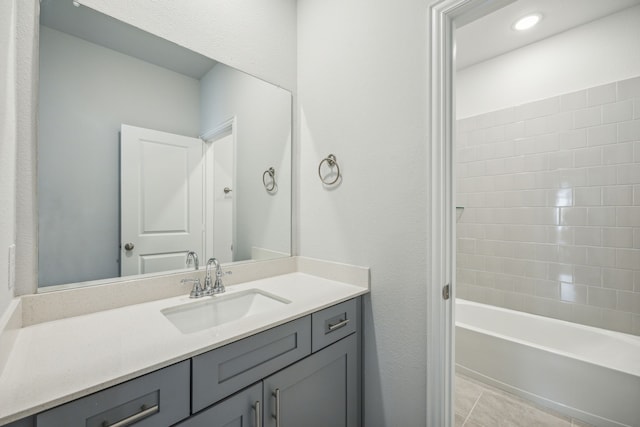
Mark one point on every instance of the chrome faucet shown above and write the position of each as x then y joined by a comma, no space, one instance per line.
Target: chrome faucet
194,256
218,287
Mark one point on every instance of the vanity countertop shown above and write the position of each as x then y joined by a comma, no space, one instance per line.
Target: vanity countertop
54,362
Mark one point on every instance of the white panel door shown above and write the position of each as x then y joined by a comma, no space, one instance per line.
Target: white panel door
161,207
223,187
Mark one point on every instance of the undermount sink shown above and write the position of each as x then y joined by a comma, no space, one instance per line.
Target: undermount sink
221,309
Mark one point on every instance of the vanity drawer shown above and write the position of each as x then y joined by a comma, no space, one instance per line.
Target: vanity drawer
223,371
156,399
333,324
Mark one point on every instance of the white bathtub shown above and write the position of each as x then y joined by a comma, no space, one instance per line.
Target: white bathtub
584,372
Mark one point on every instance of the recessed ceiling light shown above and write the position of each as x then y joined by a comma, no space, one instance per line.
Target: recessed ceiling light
527,22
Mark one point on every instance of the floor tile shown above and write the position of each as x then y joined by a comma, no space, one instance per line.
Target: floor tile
466,395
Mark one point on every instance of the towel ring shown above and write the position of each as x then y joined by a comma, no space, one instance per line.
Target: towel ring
269,186
331,161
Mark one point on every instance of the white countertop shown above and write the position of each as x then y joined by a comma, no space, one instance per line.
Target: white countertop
58,361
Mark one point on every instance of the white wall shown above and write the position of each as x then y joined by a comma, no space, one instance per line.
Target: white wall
593,54
8,143
263,140
255,36
86,93
362,75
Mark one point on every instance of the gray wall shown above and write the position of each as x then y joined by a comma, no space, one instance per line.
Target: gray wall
362,67
86,93
8,143
263,137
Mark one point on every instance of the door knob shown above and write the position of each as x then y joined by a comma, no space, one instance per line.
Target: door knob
227,190
129,246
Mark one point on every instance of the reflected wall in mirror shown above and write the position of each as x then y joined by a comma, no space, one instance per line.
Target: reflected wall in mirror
147,150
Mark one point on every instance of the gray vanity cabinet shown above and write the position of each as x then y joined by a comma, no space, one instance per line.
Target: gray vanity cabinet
243,409
319,391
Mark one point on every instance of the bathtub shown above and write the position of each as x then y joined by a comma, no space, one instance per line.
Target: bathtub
580,371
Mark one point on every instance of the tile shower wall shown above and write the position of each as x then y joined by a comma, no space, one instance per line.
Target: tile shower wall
551,197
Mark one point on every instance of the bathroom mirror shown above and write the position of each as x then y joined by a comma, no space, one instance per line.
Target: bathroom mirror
147,150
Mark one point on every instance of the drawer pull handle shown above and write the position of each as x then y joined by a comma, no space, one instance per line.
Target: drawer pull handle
144,413
256,407
276,394
338,325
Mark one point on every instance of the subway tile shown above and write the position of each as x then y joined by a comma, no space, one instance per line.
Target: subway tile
494,134
494,264
465,155
601,216
629,301
617,153
617,112
514,164
494,199
514,131
573,139
564,121
601,94
547,289
538,270
588,236
636,324
600,297
476,137
578,177
466,276
467,246
573,101
602,135
560,235
636,281
628,216
495,167
487,120
588,315
534,163
537,126
573,293
476,169
628,174
619,195
544,252
628,258
572,254
525,285
466,124
561,159
617,321
588,196
573,216
470,261
620,237
560,272
636,152
603,257
587,157
474,200
636,195
636,108
559,197
538,144
504,283
615,278
627,131
540,108
587,118
604,175
629,88
485,279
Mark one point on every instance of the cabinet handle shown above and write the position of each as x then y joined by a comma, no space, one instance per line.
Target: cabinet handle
144,413
338,325
258,413
276,394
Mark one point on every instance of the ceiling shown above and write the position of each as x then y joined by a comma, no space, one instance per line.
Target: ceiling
94,27
492,35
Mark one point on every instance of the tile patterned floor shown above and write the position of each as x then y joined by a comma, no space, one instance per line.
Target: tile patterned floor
480,405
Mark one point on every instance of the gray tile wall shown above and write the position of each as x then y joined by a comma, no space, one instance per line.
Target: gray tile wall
551,191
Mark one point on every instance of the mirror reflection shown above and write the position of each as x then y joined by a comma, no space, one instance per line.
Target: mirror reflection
147,150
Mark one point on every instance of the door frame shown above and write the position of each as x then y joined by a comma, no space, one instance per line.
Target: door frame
443,17
229,126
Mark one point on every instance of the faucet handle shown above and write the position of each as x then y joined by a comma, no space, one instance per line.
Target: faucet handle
197,291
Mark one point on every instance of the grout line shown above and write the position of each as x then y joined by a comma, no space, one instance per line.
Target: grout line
472,408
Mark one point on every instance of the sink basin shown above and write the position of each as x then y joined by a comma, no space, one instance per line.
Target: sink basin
218,310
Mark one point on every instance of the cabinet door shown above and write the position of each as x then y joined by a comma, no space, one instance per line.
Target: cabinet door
243,409
319,391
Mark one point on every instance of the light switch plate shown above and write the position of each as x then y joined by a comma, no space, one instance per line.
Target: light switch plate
12,266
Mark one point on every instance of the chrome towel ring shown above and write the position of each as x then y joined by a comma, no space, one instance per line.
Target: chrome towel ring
269,183
330,160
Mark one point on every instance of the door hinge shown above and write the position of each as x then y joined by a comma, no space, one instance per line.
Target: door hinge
446,291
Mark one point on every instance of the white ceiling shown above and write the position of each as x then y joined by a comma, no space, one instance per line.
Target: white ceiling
492,35
94,27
